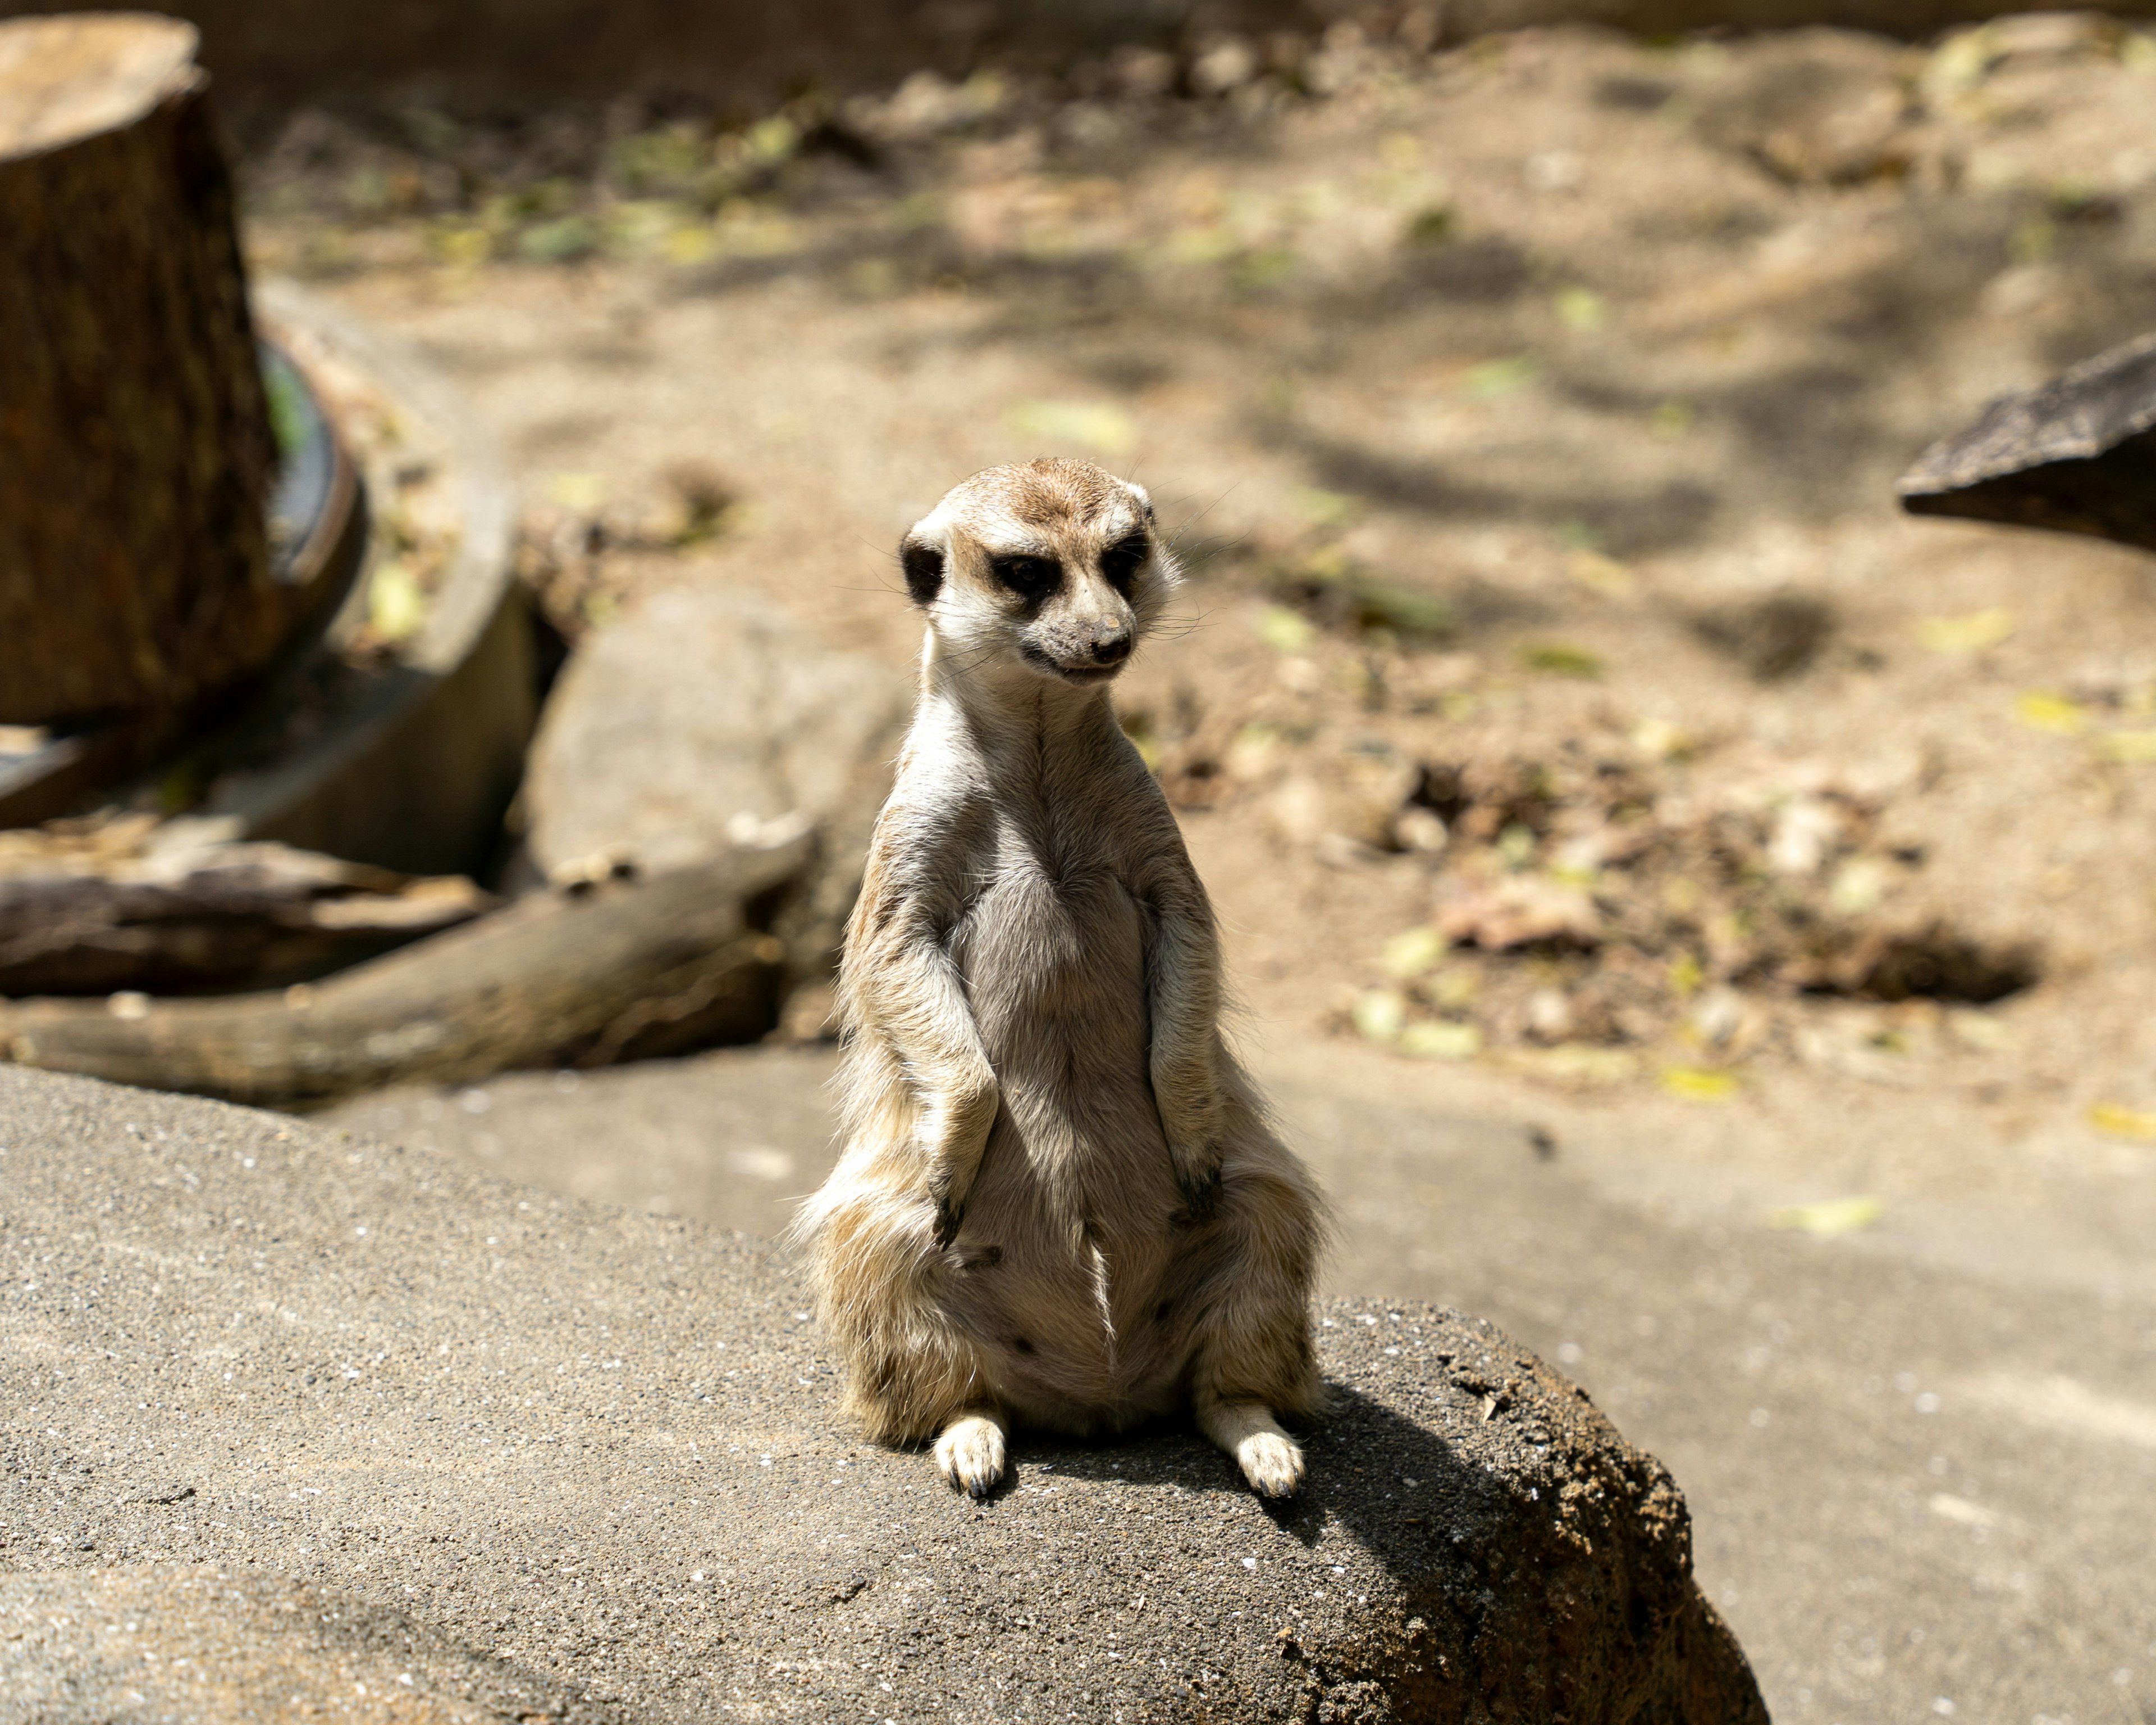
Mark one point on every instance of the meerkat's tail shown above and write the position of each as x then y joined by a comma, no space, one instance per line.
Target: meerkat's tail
872,1258
1256,1277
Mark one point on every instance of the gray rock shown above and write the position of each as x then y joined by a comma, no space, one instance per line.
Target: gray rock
705,718
290,1413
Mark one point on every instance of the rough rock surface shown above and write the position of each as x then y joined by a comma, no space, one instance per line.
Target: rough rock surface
705,718
291,1416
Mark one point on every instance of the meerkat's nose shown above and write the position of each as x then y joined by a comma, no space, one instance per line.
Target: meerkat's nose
1112,642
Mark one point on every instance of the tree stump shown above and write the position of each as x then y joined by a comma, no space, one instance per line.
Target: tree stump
136,453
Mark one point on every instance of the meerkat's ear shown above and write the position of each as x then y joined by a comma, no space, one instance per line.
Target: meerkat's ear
924,571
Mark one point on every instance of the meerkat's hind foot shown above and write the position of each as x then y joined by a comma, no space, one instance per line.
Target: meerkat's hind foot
971,1453
1271,1460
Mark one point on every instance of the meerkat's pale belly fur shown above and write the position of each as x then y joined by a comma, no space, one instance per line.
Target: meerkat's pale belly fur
1077,1293
1087,1317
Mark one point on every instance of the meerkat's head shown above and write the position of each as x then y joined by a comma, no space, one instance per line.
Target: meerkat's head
1055,565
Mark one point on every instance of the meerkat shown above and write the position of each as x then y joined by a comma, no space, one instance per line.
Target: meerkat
1059,1205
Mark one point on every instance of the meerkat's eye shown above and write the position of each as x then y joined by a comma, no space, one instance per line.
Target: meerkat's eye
1121,561
1031,578
924,571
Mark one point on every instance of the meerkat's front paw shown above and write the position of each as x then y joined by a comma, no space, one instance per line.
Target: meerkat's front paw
1272,1462
971,1453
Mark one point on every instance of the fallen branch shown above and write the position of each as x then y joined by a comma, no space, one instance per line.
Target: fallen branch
231,916
618,970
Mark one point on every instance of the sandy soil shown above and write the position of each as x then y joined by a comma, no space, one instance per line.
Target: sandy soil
1560,702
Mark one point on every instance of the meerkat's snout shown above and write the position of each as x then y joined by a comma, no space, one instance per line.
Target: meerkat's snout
1055,563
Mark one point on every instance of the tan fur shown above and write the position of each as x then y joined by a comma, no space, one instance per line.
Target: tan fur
1059,1203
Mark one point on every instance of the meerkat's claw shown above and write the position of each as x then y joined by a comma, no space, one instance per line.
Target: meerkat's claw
1201,1195
971,1453
949,1219
1272,1463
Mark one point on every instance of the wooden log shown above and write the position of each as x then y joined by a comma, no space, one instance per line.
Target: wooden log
2076,456
618,970
136,446
79,921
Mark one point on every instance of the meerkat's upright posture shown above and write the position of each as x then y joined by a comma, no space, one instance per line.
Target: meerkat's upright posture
1058,1203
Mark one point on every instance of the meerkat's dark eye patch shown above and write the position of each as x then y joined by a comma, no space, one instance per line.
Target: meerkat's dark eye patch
1031,578
924,571
1121,561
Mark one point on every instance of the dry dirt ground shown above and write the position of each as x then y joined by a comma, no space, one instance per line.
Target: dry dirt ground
1561,695
1569,726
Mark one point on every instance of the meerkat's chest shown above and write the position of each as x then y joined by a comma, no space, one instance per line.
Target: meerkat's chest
1051,929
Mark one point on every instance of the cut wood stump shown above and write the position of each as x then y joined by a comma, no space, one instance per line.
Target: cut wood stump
136,453
610,971
2076,456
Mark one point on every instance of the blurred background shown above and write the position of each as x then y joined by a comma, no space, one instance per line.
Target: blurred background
1686,908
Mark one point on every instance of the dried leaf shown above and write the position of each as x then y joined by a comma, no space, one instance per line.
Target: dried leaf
462,245
1496,378
692,243
1094,425
2122,1121
1659,739
2043,711
1261,271
1561,660
1441,1039
560,242
1581,310
1429,227
1858,886
1699,1083
1410,955
1379,1014
1969,634
1379,604
1602,574
1286,631
1324,509
2129,749
1582,1063
395,607
1829,1216
1521,911
581,492
1980,1029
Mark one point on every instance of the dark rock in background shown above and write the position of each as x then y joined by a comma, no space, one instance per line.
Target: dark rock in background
2076,456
